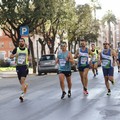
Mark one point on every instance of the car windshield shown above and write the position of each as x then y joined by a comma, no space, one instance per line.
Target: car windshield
47,57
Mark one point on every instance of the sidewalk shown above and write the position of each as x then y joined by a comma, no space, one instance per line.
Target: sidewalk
8,74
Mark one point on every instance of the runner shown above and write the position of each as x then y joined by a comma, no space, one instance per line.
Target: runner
94,60
64,59
118,57
22,57
83,66
108,58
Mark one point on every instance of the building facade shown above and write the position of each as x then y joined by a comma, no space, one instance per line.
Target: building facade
6,46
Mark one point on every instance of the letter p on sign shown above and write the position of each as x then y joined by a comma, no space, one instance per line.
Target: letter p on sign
24,31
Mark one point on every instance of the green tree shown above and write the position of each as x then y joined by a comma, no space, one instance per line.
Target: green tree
17,13
58,22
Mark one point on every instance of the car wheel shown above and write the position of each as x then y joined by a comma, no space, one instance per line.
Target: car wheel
39,73
57,72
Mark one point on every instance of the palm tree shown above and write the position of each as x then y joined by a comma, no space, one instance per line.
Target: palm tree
95,6
109,18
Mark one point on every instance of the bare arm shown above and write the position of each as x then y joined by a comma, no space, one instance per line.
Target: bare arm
76,54
13,55
70,58
57,60
114,55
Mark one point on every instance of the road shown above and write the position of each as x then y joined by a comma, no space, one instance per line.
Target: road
43,99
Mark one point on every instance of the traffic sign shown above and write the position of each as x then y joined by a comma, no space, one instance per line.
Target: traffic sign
24,31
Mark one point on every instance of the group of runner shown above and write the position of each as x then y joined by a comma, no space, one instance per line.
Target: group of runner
107,58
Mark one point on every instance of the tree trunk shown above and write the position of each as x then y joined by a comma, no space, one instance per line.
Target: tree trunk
33,57
50,44
43,51
69,45
109,33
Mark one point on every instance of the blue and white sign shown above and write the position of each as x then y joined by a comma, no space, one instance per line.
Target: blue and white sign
24,31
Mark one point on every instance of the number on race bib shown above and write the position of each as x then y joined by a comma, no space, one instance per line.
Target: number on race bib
62,62
105,63
21,59
83,60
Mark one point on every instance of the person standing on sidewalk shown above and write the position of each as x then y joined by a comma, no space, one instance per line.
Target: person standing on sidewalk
108,59
64,59
22,55
83,65
94,60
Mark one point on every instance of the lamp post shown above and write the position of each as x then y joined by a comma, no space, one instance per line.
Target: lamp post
37,51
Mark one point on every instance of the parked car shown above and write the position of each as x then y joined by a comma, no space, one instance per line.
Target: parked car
12,62
47,64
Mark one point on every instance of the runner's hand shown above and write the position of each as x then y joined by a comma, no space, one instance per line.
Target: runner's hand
113,63
67,58
16,55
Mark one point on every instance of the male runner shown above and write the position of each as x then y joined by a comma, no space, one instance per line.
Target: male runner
83,66
64,59
108,58
22,55
94,60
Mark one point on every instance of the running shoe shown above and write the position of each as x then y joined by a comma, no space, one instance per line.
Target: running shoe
85,92
26,87
94,75
97,73
69,93
109,93
21,97
63,95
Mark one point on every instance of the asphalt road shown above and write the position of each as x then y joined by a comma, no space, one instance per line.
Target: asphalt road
43,99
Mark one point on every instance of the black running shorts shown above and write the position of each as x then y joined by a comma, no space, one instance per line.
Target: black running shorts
22,71
66,73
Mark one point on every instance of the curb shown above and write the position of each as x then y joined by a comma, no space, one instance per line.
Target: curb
4,75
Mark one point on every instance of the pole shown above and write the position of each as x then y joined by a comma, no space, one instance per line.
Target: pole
37,53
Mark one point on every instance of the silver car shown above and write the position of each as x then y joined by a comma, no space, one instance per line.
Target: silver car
47,64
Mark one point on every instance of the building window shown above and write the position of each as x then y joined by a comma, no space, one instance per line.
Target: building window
2,45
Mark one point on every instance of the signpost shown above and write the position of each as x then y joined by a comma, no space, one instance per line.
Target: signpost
24,32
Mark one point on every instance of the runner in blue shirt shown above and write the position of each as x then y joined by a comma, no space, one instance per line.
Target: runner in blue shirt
65,59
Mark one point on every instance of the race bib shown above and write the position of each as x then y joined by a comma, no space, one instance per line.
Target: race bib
83,60
21,59
62,62
94,58
105,63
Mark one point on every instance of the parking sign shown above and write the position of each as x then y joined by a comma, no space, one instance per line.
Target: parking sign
24,31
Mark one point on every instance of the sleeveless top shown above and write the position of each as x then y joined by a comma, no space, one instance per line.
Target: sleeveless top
63,64
83,59
107,59
95,56
22,58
